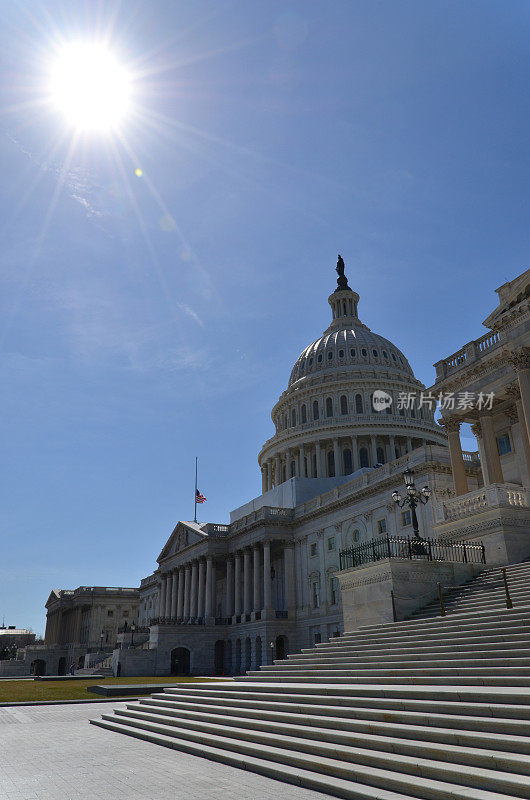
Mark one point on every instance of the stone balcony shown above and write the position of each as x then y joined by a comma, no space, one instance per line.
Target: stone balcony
469,353
497,514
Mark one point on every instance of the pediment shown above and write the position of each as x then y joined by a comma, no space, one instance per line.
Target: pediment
53,598
510,294
185,534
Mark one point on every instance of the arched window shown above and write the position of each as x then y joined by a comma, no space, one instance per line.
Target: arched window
343,404
348,467
380,455
352,352
358,404
293,417
363,457
331,464
304,414
341,353
330,355
329,407
293,469
319,359
363,352
285,420
376,354
315,409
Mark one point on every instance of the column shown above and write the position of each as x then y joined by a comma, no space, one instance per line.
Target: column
237,585
214,589
229,587
180,602
373,447
194,587
458,468
301,468
174,582
201,589
337,458
520,362
490,449
246,581
266,577
208,600
523,434
392,448
187,574
269,475
287,464
257,579
169,586
309,458
162,597
263,478
318,460
354,454
277,470
289,579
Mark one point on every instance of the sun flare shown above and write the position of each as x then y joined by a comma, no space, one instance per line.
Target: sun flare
90,87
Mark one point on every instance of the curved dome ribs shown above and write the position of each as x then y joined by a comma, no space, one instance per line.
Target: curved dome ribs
326,424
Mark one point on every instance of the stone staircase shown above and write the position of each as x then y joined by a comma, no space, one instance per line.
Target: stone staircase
431,708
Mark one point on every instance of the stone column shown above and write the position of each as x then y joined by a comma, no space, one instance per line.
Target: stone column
287,464
257,581
180,603
301,469
277,470
169,584
409,444
520,361
354,454
229,588
309,459
318,454
266,577
491,450
237,585
452,428
201,590
194,588
264,478
523,434
162,597
246,582
336,458
208,600
214,590
187,591
373,449
289,580
174,584
269,475
392,441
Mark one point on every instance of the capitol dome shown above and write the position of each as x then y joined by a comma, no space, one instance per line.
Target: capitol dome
326,422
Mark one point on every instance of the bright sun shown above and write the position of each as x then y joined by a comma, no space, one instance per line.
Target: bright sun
90,87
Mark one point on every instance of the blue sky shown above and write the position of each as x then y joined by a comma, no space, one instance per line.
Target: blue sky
146,320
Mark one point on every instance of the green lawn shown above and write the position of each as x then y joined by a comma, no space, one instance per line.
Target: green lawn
26,691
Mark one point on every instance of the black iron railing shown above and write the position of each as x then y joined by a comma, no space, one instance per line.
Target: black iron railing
412,548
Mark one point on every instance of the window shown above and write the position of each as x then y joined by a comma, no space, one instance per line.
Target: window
343,404
348,466
341,353
503,444
333,591
304,414
313,549
331,543
358,404
364,352
110,613
406,519
317,638
125,613
381,525
356,535
293,417
363,457
319,359
380,455
375,353
385,354
394,356
330,355
310,362
331,464
329,407
352,352
315,409
315,594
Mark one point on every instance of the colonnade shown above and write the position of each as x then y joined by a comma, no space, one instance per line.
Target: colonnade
188,594
311,460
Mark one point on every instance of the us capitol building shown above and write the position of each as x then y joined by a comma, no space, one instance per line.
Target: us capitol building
226,598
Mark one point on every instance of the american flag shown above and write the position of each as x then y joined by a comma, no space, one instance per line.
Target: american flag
199,498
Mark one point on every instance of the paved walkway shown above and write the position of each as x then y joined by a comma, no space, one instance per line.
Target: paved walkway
51,752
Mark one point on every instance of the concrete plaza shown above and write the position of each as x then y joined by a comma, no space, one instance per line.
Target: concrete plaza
52,751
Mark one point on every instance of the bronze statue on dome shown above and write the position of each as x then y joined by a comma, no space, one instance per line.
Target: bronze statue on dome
342,280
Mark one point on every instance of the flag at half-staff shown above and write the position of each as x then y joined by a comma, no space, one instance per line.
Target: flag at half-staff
199,498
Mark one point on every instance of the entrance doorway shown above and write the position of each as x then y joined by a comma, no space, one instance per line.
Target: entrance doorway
219,657
38,667
61,667
180,661
281,647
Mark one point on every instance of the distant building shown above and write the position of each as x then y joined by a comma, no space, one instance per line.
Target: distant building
13,636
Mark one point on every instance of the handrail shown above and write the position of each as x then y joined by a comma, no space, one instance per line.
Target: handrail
412,548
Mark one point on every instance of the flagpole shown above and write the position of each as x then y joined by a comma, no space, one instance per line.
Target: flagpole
195,495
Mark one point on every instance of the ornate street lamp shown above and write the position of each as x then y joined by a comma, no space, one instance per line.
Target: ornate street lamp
272,651
133,628
101,636
412,499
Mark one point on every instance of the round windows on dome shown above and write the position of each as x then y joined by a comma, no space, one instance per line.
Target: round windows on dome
385,354
341,353
356,535
319,359
310,362
375,353
352,352
394,356
330,355
364,352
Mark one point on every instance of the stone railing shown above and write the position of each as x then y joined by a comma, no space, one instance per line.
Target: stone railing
468,353
496,495
264,514
471,456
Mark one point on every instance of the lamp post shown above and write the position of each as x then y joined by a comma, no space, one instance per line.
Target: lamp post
412,498
271,645
101,635
133,628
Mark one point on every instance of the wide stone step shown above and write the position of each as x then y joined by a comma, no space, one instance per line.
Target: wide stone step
399,662
417,680
445,669
509,737
465,621
389,770
423,654
424,643
306,777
